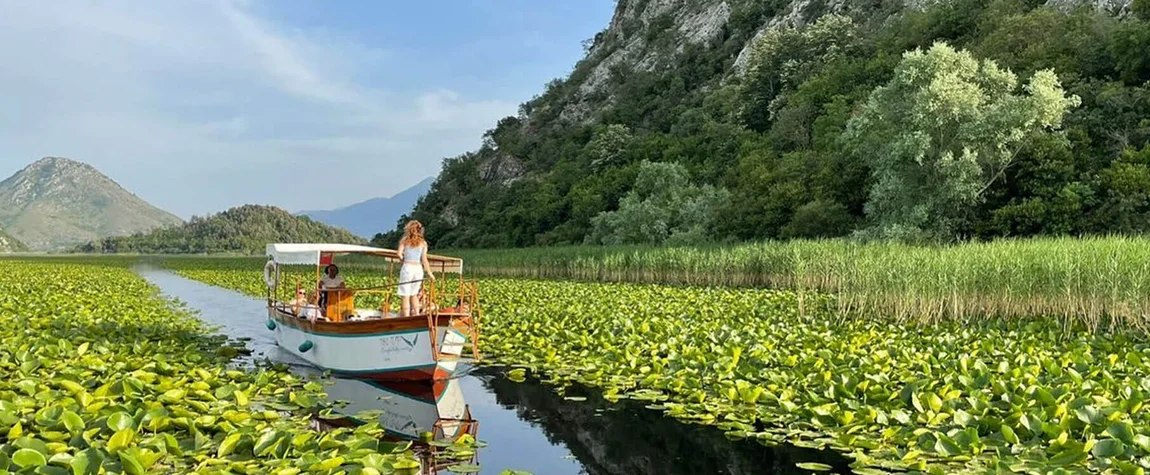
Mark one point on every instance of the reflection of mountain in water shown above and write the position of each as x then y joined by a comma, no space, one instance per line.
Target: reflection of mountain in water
626,438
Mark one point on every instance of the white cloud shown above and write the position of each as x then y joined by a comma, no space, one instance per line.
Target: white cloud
197,106
279,58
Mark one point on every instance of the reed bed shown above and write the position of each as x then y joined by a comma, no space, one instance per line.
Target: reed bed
1098,282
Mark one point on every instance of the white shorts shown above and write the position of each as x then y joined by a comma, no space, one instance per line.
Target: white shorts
409,273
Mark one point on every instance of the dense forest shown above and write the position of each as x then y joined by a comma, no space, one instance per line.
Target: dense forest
793,144
244,229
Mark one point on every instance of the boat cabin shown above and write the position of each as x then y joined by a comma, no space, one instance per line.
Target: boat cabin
341,304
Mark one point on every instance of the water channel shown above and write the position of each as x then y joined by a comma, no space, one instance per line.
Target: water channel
526,426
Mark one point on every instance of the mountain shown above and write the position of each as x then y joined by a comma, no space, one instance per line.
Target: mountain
10,244
375,215
56,202
753,98
244,229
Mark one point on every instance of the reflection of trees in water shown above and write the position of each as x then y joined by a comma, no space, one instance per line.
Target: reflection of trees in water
626,438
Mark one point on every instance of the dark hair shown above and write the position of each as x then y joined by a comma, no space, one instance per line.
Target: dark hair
329,266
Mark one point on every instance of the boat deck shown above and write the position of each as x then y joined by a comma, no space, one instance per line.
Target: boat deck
372,324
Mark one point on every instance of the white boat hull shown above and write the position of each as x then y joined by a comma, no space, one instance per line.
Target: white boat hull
389,353
404,415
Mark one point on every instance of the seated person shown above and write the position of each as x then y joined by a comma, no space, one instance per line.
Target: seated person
300,299
304,306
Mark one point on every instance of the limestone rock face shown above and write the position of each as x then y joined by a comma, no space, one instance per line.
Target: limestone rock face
647,34
1115,7
10,244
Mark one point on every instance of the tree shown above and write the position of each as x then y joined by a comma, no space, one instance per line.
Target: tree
1125,185
819,219
783,58
1140,9
940,133
662,207
1129,43
608,144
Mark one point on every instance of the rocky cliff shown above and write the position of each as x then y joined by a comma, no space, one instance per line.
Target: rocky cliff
648,34
10,244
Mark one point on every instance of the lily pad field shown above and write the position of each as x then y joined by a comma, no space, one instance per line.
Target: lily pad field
1030,395
101,375
102,372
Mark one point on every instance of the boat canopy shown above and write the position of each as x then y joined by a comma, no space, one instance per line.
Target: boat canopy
319,254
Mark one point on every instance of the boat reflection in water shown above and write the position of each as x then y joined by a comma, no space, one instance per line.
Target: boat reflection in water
433,416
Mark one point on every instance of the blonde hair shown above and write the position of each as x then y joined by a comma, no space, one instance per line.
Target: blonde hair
309,297
412,234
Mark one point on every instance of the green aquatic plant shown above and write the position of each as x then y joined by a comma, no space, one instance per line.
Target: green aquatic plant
102,375
1097,282
942,398
1027,394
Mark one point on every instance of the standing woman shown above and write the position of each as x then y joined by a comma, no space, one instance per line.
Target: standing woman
413,248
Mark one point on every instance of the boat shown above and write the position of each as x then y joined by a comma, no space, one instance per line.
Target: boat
432,416
407,409
376,343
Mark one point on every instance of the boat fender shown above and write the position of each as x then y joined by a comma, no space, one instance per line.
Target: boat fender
271,324
271,274
305,346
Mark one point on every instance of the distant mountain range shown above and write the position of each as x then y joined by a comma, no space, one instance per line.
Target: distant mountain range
10,244
58,204
377,215
244,229
55,203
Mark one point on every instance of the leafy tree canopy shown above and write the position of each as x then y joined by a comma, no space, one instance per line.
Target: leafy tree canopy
662,207
941,132
789,134
244,229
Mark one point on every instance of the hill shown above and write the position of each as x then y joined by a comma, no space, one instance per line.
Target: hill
373,216
753,100
10,244
245,229
56,202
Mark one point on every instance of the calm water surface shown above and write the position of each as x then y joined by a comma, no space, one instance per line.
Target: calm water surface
527,426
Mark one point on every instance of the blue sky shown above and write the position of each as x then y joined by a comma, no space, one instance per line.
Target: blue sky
197,106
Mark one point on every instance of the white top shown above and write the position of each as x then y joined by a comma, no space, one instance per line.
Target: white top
326,282
309,312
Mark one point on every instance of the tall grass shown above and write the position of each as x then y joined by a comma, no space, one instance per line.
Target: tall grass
1100,282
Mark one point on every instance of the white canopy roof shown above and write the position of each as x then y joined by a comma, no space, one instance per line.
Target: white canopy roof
309,254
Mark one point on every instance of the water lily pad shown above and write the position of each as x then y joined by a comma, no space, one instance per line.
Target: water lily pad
1107,448
29,458
120,421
